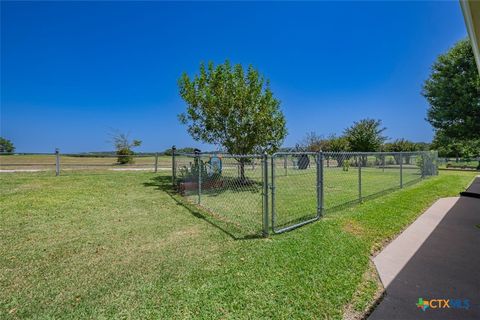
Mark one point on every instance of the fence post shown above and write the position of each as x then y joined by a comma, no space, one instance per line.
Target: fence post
57,162
423,165
199,168
359,163
265,230
401,170
156,162
319,183
285,164
174,167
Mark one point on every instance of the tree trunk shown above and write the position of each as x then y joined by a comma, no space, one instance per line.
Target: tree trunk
364,160
398,159
242,171
339,159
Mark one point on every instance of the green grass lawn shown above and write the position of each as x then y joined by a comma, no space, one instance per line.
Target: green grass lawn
118,245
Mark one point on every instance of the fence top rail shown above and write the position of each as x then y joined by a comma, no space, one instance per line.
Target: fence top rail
296,153
220,155
386,153
350,153
27,153
93,155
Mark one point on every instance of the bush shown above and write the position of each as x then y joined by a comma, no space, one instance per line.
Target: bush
124,146
125,156
192,173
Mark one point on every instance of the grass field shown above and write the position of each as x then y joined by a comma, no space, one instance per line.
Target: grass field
120,245
68,163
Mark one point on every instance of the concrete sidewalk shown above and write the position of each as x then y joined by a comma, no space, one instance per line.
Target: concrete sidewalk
397,254
437,257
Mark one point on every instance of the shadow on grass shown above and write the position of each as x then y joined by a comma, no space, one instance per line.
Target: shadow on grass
164,183
215,187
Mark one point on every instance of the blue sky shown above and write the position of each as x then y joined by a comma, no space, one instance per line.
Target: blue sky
72,72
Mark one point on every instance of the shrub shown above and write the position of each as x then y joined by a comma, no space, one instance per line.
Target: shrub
125,156
124,146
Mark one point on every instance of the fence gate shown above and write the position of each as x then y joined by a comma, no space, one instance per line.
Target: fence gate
296,189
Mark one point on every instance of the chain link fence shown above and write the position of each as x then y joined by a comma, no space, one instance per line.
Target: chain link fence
298,187
295,189
229,187
254,194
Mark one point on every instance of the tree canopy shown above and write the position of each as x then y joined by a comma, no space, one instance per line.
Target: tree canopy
365,135
337,144
232,108
453,92
6,145
314,143
454,147
400,145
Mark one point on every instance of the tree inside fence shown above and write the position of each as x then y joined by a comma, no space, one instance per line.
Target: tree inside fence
234,109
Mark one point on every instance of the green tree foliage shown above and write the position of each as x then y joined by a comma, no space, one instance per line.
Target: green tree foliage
232,108
453,92
168,152
314,143
423,146
454,147
123,146
365,135
338,144
400,145
6,145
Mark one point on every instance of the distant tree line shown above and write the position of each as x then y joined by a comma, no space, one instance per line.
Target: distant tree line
365,135
168,152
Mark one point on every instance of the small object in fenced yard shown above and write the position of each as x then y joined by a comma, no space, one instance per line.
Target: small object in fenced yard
214,166
346,165
303,161
211,170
